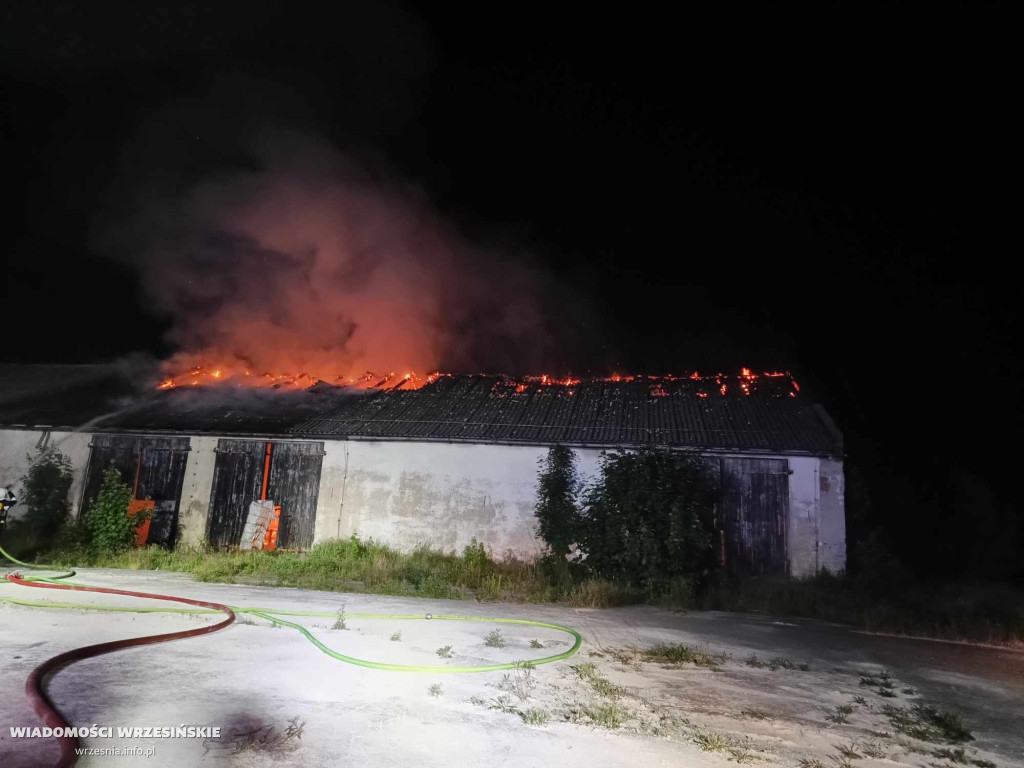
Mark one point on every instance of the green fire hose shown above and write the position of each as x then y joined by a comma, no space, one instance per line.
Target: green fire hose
274,615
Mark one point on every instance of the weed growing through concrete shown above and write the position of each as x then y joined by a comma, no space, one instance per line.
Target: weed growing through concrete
839,714
536,644
628,657
519,682
434,690
676,654
861,701
927,723
445,652
810,762
609,715
494,639
396,638
874,750
504,704
585,671
849,751
606,688
881,681
740,755
756,714
709,741
534,716
259,738
339,623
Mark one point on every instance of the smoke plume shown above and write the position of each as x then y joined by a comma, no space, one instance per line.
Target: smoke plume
297,260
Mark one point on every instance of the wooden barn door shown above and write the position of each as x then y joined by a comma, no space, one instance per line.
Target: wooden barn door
154,467
237,479
294,484
754,510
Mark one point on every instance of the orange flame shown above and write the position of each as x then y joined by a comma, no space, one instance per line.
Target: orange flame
235,374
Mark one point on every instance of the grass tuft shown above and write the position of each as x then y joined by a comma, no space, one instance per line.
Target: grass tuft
434,690
677,653
494,639
709,741
928,723
840,714
534,716
607,715
445,652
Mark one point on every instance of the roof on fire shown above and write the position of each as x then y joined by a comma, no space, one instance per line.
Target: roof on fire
765,414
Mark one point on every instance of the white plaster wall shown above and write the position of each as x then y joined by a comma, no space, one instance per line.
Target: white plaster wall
17,444
803,524
832,495
441,495
196,488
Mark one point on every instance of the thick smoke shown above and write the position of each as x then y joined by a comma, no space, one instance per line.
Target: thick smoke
299,261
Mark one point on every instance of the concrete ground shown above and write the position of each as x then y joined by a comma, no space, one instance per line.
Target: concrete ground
812,709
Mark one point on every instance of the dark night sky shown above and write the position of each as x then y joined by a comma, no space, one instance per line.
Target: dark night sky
810,190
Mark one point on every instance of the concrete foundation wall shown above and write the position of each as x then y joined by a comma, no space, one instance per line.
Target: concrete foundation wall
17,445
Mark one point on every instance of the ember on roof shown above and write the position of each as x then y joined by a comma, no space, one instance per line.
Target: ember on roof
747,412
759,414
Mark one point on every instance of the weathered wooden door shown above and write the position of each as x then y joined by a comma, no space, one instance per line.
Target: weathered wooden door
754,510
293,483
237,480
153,466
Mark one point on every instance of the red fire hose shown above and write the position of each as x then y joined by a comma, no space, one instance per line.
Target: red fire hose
34,685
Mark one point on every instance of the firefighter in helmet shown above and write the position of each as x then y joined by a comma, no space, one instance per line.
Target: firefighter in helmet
7,500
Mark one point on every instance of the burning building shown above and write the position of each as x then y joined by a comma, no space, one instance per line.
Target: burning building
436,462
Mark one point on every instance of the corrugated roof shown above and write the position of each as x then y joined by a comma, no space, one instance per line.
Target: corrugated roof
688,412
768,415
